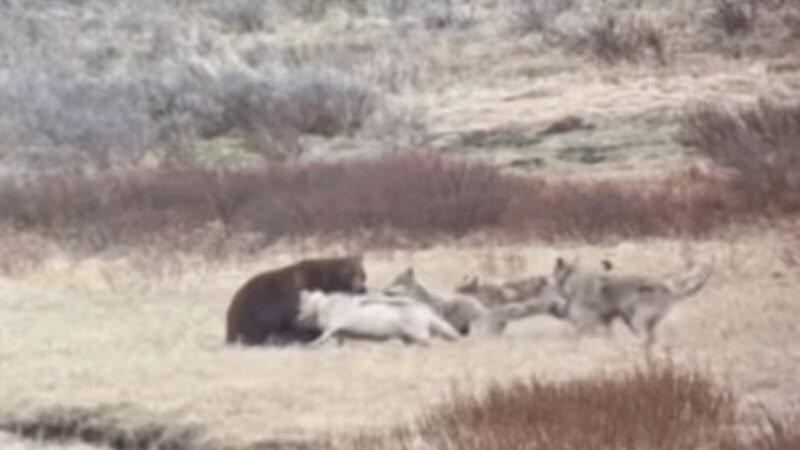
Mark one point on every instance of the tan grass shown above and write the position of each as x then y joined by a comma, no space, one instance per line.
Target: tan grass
99,333
11,442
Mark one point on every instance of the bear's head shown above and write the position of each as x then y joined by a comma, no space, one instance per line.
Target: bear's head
344,274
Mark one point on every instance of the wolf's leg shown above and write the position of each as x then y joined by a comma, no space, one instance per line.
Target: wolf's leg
607,328
496,326
412,340
325,337
440,328
587,323
650,329
416,335
645,322
490,324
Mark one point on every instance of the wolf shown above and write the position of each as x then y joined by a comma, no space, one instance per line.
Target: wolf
490,294
372,316
598,298
496,318
515,300
528,297
461,312
499,294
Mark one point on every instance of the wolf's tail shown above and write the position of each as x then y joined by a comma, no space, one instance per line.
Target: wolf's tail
690,282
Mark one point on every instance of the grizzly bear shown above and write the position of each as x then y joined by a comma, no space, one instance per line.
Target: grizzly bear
264,309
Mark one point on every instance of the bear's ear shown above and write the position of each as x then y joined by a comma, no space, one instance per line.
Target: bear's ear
560,264
607,265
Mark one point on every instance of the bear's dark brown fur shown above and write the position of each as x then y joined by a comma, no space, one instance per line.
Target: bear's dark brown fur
264,309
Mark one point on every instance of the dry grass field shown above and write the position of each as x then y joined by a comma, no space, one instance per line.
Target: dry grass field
100,334
159,153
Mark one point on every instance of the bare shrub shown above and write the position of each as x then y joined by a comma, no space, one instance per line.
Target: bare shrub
183,105
537,16
758,141
791,20
682,205
243,16
417,195
356,7
112,84
630,39
776,434
420,195
396,8
658,407
441,14
76,120
734,17
325,102
59,118
307,9
610,35
274,109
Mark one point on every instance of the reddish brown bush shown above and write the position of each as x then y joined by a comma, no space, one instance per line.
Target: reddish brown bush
414,194
774,433
682,205
759,142
659,407
777,435
417,196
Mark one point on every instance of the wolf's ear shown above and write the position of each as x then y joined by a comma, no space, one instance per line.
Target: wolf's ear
607,265
560,264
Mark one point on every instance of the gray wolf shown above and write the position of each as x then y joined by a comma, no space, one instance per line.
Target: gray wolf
460,312
515,300
498,294
641,302
372,317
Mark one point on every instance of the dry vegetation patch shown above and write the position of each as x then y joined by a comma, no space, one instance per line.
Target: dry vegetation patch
80,335
660,407
420,196
759,141
105,427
